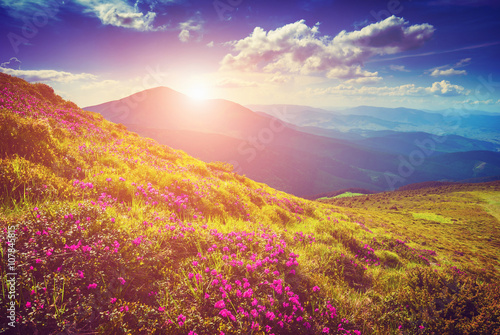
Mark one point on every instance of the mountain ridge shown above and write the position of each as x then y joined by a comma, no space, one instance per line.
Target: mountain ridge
319,160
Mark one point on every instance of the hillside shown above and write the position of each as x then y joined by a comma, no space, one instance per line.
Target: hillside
112,233
459,221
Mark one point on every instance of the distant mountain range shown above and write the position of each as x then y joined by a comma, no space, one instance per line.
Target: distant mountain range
367,121
307,151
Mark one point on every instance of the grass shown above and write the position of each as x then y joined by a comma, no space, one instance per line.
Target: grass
116,234
432,217
343,195
492,203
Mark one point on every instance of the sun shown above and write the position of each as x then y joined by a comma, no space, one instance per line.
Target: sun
198,92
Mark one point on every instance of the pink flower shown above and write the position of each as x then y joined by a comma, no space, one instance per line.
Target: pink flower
316,288
113,300
80,274
161,309
122,280
220,304
181,319
198,277
326,330
28,304
270,315
248,293
94,285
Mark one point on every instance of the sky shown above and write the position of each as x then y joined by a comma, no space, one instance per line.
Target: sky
431,55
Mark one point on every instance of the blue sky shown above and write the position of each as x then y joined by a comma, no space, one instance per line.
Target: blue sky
421,54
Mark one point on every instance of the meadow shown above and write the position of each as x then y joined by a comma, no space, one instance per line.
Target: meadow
116,234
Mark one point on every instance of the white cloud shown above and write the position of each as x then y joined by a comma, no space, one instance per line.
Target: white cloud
297,48
192,25
364,80
184,35
210,44
119,13
463,62
12,63
439,88
48,75
26,8
101,84
448,72
400,68
234,83
279,78
480,102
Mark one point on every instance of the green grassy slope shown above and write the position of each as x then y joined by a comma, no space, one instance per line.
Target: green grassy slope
456,220
112,233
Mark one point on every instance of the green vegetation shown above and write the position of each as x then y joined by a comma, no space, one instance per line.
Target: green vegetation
116,234
432,217
343,195
348,194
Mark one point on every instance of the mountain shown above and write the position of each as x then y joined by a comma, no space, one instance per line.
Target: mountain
300,160
369,121
403,143
107,232
262,147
